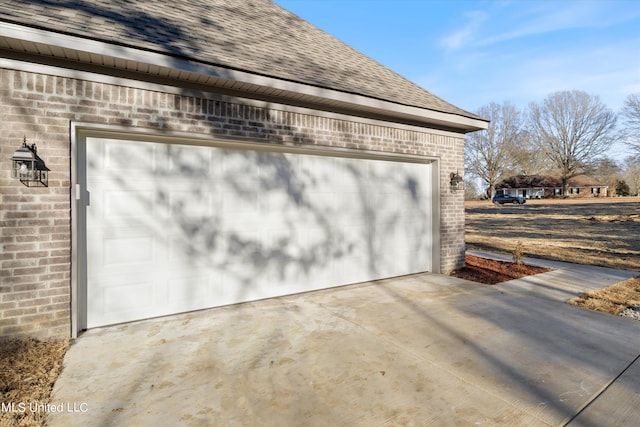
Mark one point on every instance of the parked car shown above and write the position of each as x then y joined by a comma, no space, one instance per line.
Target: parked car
508,198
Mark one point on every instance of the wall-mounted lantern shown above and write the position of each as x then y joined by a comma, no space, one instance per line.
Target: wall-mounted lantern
457,183
28,167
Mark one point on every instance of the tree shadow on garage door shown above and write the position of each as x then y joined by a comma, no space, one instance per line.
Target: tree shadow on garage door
261,223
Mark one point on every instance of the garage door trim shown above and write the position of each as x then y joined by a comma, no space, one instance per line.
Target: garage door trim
81,131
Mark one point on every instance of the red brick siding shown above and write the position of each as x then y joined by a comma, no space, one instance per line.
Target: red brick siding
36,225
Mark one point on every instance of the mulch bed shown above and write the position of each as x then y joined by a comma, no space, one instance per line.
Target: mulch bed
490,272
28,371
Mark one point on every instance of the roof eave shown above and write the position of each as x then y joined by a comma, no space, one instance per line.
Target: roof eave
76,51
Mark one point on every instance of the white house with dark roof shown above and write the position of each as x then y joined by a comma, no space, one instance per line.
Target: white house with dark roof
189,155
545,186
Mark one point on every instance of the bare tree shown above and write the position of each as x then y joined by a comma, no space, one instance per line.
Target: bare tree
571,128
488,153
527,159
631,114
606,171
471,191
632,174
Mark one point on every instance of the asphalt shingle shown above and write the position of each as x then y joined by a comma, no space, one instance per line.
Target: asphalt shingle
256,36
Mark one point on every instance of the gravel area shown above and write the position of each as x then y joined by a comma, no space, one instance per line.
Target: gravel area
631,312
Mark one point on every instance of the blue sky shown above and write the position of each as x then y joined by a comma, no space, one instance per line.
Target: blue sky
472,52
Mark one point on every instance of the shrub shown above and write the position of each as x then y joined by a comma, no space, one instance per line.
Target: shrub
622,188
518,252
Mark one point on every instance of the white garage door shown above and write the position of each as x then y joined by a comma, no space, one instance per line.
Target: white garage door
173,227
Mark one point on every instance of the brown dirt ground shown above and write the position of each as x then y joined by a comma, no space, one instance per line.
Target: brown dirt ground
490,271
28,371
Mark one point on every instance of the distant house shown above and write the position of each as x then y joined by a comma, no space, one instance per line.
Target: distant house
544,186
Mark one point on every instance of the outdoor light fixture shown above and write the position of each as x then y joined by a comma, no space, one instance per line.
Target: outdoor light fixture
457,182
28,167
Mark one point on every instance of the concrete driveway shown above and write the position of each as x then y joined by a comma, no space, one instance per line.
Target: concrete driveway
424,349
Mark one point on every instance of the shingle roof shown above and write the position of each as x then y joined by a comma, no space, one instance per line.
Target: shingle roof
584,181
546,181
257,36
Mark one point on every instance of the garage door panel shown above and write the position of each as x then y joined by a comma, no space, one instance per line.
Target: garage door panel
186,289
241,201
129,250
238,286
122,156
387,211
128,296
358,240
241,167
115,251
316,174
323,204
247,247
121,299
192,226
127,204
356,268
188,162
354,208
190,203
287,277
344,174
387,265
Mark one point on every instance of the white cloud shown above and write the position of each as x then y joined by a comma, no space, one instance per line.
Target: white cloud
509,21
608,70
460,37
530,72
542,20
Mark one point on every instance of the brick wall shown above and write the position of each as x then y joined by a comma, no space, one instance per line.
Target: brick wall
36,226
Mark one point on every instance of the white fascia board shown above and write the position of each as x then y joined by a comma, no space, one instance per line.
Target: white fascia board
169,62
19,65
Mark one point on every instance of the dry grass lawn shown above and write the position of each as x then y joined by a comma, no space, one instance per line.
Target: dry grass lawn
28,371
614,299
603,232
